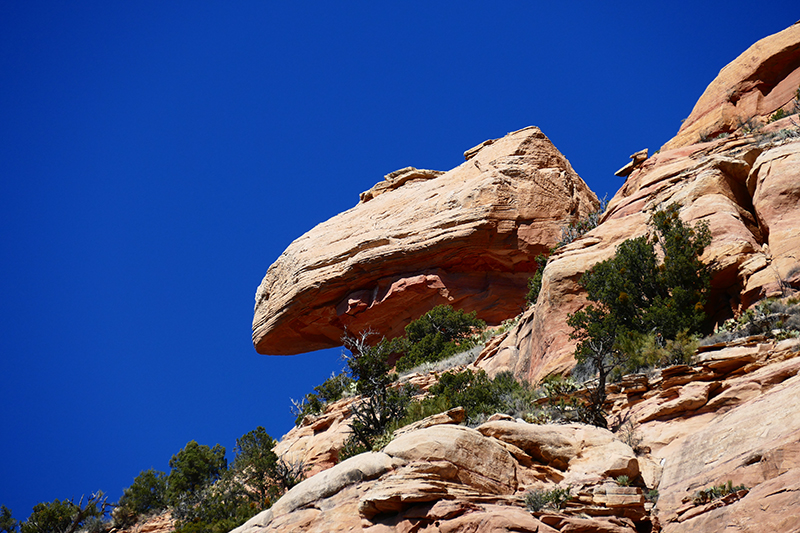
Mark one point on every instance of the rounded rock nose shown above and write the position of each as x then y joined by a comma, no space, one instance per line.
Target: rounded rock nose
467,237
750,89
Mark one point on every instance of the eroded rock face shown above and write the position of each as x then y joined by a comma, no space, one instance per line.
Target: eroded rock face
746,188
751,88
466,237
729,416
448,478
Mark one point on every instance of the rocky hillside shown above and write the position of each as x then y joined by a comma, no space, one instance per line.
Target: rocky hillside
701,447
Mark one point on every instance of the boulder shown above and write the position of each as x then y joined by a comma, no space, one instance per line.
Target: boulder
588,454
480,463
467,237
364,466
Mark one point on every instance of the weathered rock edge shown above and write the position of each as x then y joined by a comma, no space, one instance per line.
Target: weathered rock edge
467,237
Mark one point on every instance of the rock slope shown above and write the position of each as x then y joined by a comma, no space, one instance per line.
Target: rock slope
745,187
745,184
730,417
422,238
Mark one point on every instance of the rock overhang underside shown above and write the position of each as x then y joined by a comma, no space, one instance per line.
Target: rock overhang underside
466,237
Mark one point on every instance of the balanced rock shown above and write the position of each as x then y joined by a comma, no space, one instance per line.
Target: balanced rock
467,237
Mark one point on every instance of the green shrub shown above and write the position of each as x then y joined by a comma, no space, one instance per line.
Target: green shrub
368,364
332,389
623,481
535,282
193,469
68,517
208,497
288,474
479,395
147,494
644,351
537,500
562,405
216,508
372,416
437,335
716,492
7,523
634,293
256,465
777,115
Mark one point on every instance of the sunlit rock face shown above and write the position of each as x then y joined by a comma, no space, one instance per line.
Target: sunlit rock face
747,91
745,186
420,238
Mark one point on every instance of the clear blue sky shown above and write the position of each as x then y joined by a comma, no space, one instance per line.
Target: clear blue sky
156,157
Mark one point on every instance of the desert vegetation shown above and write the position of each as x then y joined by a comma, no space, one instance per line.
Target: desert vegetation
716,492
639,302
203,492
569,233
540,500
771,317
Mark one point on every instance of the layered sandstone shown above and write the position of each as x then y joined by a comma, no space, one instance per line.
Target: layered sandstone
745,187
747,91
727,417
420,238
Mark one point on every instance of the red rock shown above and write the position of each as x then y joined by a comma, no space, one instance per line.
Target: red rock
467,237
755,85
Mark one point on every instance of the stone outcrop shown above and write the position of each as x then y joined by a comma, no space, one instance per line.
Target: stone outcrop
747,91
467,237
453,478
728,417
163,523
745,187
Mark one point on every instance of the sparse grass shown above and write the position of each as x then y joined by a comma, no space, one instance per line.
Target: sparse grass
562,405
717,491
770,317
577,229
464,358
537,500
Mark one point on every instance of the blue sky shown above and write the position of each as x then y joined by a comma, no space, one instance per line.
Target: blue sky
156,157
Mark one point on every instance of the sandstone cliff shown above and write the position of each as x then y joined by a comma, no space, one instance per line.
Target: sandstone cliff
744,184
421,238
730,416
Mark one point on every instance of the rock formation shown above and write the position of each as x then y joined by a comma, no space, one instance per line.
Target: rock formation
420,238
745,186
747,91
731,416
